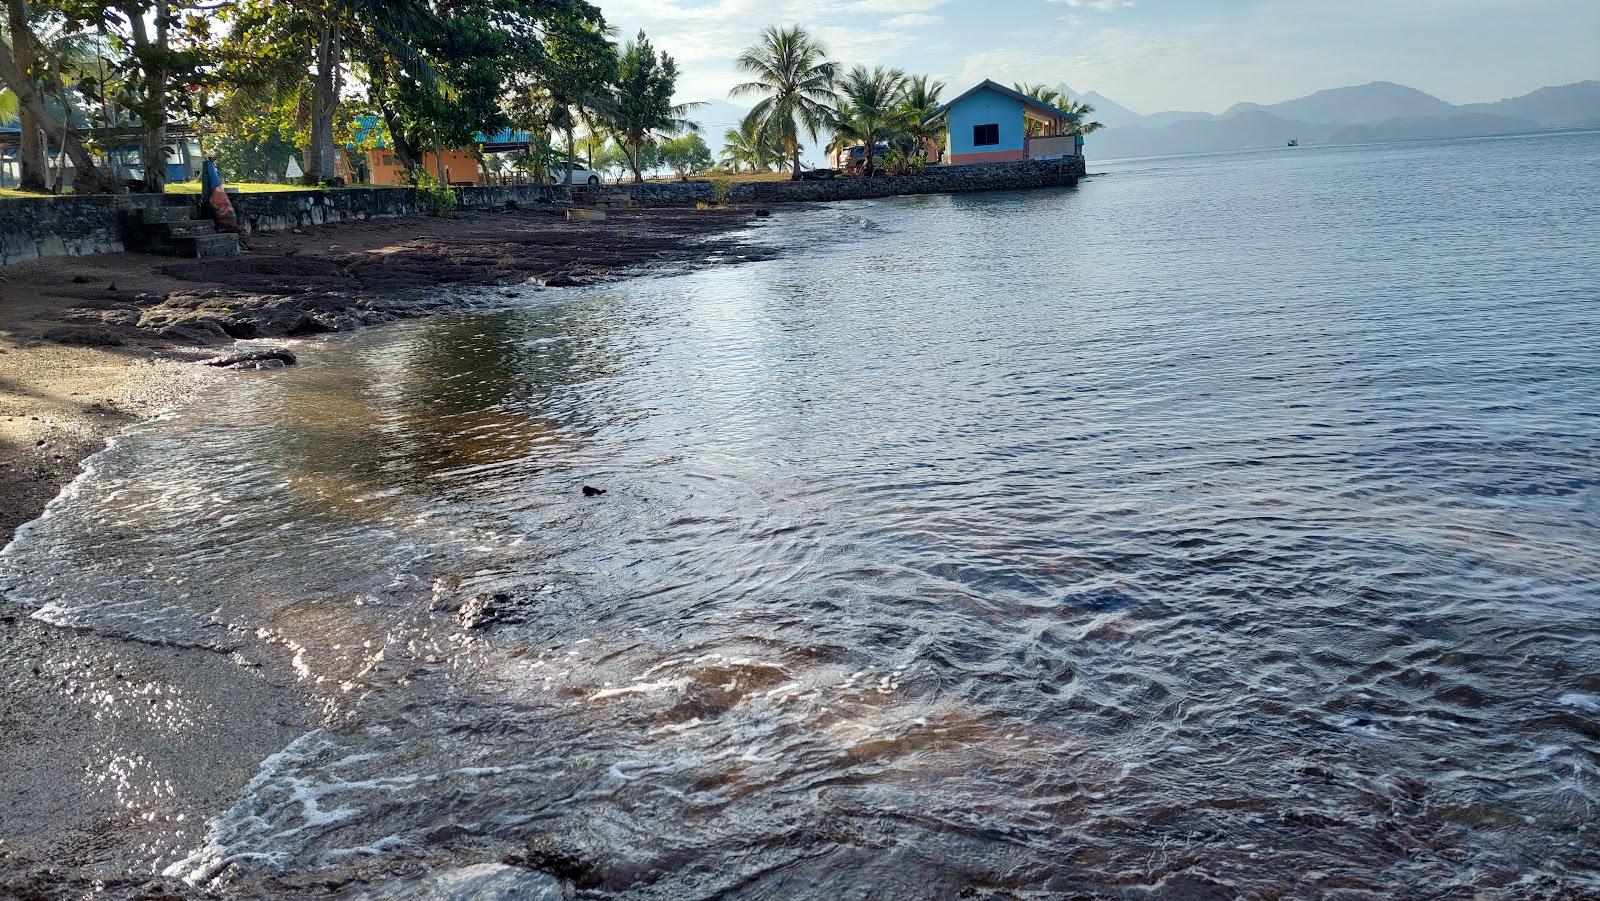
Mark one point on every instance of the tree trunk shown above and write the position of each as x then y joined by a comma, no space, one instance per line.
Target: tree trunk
32,153
87,178
34,157
406,149
572,148
152,108
637,160
438,160
324,102
794,161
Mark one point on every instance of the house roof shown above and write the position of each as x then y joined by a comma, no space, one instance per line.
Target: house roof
1039,107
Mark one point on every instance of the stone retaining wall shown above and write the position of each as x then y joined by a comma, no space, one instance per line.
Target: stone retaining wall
34,227
937,180
283,210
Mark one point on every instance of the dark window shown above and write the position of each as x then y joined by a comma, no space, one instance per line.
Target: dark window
985,135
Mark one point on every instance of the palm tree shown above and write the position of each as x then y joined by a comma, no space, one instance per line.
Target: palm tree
743,146
1083,110
872,99
921,100
791,68
1059,99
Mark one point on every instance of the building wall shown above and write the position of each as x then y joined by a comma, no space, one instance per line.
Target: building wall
984,108
387,170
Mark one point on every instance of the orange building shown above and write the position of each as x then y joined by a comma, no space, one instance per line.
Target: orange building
460,168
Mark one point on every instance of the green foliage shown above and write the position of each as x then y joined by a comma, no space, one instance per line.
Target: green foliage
436,198
868,113
641,107
1059,99
686,154
747,146
791,69
721,186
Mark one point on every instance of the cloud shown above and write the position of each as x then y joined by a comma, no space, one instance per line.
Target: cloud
1101,5
913,20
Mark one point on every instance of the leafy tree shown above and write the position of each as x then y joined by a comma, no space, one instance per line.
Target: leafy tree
871,103
686,154
790,67
573,87
641,106
35,73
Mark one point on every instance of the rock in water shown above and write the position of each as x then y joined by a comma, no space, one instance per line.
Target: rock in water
591,491
255,359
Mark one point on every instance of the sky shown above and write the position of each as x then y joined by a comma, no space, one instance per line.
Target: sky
1153,55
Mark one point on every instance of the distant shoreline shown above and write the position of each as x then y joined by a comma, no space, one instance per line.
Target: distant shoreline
1323,145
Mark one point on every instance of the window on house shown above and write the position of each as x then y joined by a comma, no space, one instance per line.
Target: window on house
985,135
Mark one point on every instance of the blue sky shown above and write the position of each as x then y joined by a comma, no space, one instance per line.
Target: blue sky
1155,55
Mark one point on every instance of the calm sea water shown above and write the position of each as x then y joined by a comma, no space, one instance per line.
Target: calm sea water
1227,526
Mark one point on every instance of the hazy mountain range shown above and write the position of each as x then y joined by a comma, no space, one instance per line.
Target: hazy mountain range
1364,114
1369,113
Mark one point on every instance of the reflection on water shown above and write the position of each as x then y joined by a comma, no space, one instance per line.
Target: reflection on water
1133,537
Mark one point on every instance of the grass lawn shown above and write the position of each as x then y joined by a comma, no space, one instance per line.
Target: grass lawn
193,187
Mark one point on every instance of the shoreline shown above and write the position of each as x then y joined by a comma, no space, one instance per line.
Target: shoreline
92,345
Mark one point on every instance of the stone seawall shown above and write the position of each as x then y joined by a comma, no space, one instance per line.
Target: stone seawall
283,210
35,227
938,180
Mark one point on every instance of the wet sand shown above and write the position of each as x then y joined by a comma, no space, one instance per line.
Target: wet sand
90,345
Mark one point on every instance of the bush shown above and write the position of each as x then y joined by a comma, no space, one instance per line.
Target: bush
721,186
435,198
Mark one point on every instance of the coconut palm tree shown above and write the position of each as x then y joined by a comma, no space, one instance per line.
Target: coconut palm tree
1083,110
1059,99
921,100
790,67
872,100
743,146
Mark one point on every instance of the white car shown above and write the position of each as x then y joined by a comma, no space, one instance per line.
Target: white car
580,175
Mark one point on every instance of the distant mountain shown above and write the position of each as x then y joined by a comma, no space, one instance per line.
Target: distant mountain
1106,111
1380,111
1373,102
1112,114
1566,105
1251,128
1467,125
716,117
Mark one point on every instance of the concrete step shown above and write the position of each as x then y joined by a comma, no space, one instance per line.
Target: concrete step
217,244
181,229
166,213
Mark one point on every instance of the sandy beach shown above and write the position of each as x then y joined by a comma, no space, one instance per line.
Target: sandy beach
90,345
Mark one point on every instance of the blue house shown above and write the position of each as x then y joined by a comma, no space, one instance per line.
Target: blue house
992,123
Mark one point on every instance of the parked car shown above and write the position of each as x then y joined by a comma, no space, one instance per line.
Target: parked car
580,175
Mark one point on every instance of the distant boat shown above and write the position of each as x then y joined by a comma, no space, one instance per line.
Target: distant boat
1294,142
